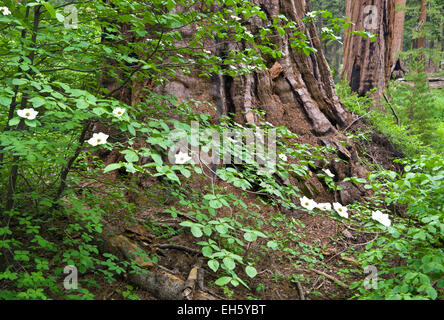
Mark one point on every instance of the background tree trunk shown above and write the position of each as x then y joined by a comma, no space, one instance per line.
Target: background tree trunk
398,28
368,64
421,41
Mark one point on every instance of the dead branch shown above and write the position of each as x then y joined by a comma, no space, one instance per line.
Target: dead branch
329,277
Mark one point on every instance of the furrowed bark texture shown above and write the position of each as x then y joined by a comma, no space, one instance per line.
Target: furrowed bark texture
296,90
291,84
367,64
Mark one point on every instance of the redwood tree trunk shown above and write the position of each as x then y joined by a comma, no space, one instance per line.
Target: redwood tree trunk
398,28
296,90
421,42
368,64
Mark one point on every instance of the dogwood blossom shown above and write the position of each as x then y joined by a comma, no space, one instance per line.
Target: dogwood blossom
5,11
283,157
235,18
326,30
381,218
324,206
307,203
29,114
118,112
182,158
328,173
98,139
340,209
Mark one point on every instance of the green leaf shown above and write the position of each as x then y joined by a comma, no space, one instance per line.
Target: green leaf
60,17
273,245
37,102
131,156
157,158
5,101
19,82
50,9
251,271
196,231
229,263
185,172
214,265
223,281
112,167
250,237
82,104
31,123
215,204
280,30
207,251
99,111
14,121
131,130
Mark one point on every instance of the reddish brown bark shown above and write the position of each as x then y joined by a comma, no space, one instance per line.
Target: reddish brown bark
421,42
368,64
398,29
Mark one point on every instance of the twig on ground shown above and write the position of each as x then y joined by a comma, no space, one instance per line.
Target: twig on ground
178,247
335,280
361,117
300,290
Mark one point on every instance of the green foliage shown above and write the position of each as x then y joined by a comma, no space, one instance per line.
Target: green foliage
419,107
62,68
406,142
410,257
62,72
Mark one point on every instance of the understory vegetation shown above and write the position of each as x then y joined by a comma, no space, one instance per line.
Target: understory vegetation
61,193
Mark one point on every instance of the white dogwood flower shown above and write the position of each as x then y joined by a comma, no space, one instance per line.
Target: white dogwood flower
326,30
5,11
381,218
340,209
283,157
182,158
328,173
235,18
98,139
311,14
118,112
307,203
324,206
29,114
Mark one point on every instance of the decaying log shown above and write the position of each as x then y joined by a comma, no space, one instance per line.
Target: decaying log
436,83
158,282
190,284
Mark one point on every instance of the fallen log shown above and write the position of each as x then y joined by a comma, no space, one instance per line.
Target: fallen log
437,83
158,282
